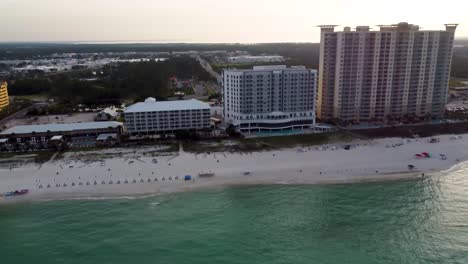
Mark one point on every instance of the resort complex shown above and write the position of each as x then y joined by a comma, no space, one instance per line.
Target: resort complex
365,77
268,98
396,72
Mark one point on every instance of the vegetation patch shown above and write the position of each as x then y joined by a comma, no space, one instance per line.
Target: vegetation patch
453,83
266,143
115,82
427,130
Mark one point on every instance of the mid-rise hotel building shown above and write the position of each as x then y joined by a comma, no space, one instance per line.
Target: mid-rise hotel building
268,98
166,117
392,73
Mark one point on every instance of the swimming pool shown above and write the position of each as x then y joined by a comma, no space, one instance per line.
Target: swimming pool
284,132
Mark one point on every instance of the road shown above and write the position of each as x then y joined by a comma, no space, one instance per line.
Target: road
199,89
208,68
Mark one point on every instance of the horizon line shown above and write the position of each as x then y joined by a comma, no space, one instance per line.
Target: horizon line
145,42
117,42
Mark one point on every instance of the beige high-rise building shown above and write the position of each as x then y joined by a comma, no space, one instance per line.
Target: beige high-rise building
4,99
396,72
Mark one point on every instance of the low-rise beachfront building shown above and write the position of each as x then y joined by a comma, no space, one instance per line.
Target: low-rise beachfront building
39,136
270,98
166,117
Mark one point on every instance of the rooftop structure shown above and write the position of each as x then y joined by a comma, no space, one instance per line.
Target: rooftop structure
151,106
29,129
402,27
150,100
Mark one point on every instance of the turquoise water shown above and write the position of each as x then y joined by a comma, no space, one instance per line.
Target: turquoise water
421,221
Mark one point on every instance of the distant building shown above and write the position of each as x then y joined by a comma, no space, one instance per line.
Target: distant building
4,99
173,80
177,84
393,73
107,114
166,117
250,59
268,98
150,100
75,133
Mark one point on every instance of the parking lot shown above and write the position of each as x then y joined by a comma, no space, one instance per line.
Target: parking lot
52,119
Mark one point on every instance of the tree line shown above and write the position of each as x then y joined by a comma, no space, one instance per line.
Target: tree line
114,83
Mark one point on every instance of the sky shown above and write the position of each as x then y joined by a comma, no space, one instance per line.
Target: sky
212,21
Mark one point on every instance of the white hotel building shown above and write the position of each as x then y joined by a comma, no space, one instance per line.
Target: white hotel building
269,98
166,117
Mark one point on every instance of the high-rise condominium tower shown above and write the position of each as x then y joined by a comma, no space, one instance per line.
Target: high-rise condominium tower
4,99
396,72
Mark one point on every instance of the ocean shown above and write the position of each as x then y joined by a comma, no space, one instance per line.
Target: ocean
414,221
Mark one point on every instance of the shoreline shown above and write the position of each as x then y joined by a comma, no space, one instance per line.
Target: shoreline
83,195
105,178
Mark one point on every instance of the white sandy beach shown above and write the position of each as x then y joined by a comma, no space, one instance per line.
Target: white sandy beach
368,161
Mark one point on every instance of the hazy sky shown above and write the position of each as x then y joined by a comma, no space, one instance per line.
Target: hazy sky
213,20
